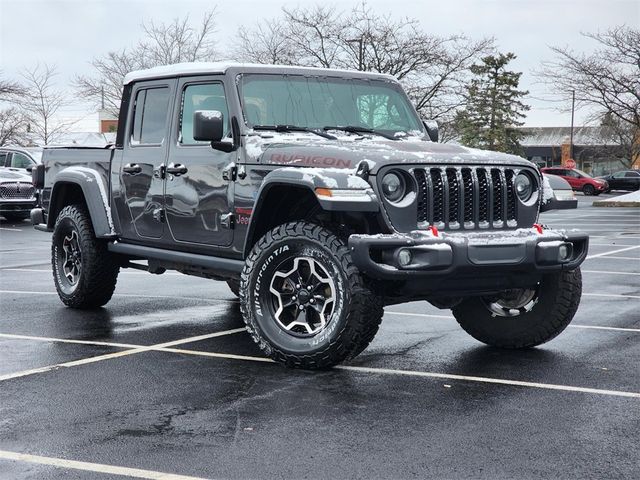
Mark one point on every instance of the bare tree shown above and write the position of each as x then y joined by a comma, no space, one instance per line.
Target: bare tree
42,103
606,81
161,44
433,69
13,124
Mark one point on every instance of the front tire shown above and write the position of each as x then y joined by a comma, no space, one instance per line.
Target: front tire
304,302
518,319
84,271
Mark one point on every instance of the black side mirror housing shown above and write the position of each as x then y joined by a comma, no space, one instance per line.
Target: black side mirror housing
208,126
432,130
29,169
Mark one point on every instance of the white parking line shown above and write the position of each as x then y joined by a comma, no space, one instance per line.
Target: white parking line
123,353
613,251
166,347
610,273
92,467
571,325
615,257
10,229
28,292
499,381
610,295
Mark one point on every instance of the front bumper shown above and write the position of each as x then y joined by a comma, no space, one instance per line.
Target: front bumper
17,205
525,251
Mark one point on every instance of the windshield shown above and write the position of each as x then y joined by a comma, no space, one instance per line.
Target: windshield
582,174
320,102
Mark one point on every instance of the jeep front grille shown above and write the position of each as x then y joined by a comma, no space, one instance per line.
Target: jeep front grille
466,198
16,191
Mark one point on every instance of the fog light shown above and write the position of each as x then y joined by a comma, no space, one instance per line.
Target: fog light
404,257
564,252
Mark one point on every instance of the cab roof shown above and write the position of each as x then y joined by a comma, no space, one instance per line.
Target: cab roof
204,68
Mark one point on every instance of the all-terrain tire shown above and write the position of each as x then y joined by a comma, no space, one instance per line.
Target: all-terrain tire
234,286
589,190
357,311
558,299
98,274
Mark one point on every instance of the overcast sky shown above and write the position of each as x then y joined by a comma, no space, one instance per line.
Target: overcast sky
69,33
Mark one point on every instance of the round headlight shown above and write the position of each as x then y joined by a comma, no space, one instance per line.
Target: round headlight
523,186
393,187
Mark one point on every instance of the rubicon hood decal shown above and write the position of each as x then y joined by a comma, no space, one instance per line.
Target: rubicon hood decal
304,151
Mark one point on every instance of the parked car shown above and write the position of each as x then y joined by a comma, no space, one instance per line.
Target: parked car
579,180
625,180
17,194
558,194
20,158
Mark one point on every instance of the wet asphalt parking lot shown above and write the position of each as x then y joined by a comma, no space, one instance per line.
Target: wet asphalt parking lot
164,380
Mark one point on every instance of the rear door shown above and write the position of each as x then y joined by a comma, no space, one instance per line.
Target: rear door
198,202
145,151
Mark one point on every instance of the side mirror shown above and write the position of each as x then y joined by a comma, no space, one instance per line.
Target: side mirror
29,168
208,125
432,129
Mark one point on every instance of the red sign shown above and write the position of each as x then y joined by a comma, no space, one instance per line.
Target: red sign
570,163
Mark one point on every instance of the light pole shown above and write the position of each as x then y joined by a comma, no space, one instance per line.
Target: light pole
360,42
573,107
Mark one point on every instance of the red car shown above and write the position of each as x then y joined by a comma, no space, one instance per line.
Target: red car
579,180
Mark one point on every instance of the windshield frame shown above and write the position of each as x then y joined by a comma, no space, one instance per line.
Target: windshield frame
392,84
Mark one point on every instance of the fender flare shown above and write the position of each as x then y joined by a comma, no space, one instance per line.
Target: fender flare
311,179
95,192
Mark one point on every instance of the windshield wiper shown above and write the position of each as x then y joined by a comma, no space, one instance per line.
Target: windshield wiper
356,129
294,128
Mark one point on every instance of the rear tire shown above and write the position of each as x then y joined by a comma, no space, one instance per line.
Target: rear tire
536,322
588,190
333,322
84,271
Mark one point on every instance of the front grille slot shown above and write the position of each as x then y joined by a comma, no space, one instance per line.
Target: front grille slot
466,198
16,191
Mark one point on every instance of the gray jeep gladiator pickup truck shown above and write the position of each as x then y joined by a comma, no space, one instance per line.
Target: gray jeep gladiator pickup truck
320,197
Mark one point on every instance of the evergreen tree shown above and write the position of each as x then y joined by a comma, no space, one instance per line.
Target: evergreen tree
494,107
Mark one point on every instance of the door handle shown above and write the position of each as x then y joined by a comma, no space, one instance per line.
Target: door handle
176,169
132,168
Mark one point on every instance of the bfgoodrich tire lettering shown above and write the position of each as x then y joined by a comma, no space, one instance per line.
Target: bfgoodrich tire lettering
84,271
557,301
356,313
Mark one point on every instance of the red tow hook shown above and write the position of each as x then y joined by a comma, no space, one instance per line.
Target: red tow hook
538,228
434,230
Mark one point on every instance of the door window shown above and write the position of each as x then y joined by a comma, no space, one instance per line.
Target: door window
19,160
201,97
150,113
3,158
632,175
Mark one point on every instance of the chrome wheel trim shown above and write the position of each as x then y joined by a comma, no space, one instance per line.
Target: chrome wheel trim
72,262
515,302
308,303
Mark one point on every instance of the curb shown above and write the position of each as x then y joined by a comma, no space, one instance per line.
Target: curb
609,203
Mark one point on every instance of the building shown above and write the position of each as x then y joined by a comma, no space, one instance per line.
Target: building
595,150
108,122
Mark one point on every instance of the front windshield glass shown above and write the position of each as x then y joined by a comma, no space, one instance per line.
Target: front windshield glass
319,102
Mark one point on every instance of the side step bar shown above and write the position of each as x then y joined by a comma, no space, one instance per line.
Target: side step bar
219,264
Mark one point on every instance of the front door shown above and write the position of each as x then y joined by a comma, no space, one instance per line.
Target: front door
145,152
198,198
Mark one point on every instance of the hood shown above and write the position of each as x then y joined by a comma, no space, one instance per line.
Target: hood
10,175
346,152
